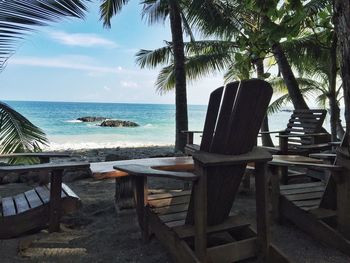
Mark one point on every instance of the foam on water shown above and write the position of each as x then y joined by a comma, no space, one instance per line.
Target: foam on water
73,121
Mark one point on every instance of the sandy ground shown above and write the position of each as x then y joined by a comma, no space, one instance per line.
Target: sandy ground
100,233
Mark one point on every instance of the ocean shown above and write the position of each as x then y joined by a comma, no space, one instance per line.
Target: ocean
157,123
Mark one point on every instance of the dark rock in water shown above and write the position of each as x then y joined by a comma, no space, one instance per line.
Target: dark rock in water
118,123
91,119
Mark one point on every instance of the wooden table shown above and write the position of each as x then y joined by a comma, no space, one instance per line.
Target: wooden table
125,185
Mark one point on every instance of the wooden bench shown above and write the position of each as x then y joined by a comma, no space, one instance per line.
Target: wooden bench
34,209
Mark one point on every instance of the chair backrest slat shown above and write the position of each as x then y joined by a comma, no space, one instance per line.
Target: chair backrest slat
211,119
233,120
305,122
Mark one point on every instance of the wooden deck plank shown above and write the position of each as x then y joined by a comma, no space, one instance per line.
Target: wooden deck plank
299,186
8,206
33,198
303,190
69,191
168,195
171,209
234,222
44,193
173,217
307,196
21,203
308,203
169,201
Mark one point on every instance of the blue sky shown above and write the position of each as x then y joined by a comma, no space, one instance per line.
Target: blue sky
77,60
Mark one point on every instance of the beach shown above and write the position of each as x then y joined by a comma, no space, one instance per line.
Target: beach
99,232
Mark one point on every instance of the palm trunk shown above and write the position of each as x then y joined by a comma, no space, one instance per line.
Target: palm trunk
180,76
333,106
265,138
289,78
342,25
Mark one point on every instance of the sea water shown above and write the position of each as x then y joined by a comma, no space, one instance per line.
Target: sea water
157,123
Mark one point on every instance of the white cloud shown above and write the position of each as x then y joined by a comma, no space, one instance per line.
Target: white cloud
129,84
81,40
107,88
66,62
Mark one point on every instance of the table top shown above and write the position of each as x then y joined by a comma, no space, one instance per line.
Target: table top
103,170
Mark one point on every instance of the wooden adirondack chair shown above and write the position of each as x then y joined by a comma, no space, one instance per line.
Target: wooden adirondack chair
196,225
41,206
304,134
321,209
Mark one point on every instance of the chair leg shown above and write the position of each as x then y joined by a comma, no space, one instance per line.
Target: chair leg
140,194
262,215
200,215
55,201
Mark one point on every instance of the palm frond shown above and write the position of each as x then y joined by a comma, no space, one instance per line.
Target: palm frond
278,103
109,8
17,133
166,80
17,18
155,11
154,58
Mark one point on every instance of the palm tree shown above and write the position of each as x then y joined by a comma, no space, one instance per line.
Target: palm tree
18,18
157,10
342,26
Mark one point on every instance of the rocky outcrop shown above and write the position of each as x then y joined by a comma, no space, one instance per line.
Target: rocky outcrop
118,123
91,119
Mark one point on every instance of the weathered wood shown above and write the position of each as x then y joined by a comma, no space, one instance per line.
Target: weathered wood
316,228
262,213
232,223
212,159
303,190
227,132
233,252
200,196
141,202
33,198
55,200
306,196
34,215
21,203
303,132
44,193
143,170
8,206
45,166
103,170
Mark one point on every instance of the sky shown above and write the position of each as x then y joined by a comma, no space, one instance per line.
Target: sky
80,61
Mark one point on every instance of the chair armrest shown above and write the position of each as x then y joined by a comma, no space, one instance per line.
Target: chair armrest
301,135
323,156
270,132
44,166
256,155
144,170
280,162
